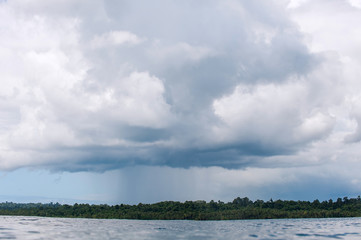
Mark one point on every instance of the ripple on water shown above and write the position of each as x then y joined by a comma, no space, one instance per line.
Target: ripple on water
62,228
29,219
302,234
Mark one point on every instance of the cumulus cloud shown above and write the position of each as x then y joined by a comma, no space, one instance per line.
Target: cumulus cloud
219,83
114,38
260,113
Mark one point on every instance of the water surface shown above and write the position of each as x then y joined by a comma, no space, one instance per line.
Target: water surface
67,228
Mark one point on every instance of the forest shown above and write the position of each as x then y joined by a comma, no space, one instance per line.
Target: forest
239,208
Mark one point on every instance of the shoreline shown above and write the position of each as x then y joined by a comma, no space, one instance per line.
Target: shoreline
238,209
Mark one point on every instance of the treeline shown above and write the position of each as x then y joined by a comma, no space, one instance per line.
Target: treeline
239,208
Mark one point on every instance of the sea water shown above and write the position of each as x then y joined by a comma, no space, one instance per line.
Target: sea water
74,228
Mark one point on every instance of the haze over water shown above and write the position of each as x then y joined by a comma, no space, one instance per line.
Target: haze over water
19,227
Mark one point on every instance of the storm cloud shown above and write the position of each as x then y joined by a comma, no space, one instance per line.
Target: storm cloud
100,85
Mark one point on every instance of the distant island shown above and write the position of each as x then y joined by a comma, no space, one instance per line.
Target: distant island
239,208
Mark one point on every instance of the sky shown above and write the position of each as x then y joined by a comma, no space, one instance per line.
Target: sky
144,101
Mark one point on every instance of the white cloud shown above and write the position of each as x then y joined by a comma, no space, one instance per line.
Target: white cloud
355,3
274,114
331,27
46,105
114,38
136,100
296,3
316,126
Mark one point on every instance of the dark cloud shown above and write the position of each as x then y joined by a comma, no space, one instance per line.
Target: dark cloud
181,84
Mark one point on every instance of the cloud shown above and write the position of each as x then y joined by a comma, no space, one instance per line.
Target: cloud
355,3
260,113
228,84
114,38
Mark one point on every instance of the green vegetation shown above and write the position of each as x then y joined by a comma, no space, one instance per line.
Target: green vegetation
240,208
